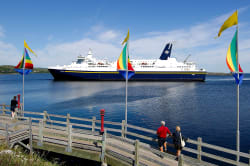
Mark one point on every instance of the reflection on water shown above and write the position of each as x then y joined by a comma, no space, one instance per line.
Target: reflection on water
205,109
73,90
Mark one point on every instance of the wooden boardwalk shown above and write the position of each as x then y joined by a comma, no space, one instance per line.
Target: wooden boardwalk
80,137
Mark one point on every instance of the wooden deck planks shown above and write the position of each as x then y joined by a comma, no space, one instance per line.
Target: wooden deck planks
87,144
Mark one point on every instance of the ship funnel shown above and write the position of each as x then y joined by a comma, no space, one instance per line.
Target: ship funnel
166,52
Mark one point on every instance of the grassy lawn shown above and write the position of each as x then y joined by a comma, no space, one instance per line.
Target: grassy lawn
7,69
18,157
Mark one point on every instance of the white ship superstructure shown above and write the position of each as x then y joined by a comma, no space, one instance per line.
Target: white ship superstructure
91,64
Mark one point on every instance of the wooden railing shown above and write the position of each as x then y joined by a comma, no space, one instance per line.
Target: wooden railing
17,132
71,126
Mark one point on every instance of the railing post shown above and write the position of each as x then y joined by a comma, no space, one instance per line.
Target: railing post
181,160
199,148
103,147
44,117
69,147
93,124
7,135
40,141
137,152
69,130
21,109
3,107
30,134
68,119
123,128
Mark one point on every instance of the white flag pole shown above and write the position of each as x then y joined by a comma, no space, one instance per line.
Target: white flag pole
238,103
23,76
126,105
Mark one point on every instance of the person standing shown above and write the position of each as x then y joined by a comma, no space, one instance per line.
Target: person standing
162,135
13,106
177,137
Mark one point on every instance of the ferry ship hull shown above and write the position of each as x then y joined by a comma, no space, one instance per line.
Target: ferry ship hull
139,75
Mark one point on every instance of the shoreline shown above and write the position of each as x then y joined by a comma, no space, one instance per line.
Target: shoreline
9,69
13,73
218,74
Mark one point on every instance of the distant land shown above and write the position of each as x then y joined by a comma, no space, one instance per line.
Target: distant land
9,69
218,74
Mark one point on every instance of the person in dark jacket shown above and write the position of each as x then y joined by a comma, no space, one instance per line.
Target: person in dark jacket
13,106
177,136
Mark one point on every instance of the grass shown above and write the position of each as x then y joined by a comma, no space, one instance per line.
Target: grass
18,157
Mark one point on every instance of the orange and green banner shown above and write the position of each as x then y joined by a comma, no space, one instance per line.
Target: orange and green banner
232,58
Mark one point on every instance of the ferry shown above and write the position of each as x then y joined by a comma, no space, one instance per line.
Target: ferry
165,68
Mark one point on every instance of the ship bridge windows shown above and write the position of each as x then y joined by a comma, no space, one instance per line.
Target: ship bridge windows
79,61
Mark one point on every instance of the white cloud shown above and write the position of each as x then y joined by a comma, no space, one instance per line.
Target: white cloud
108,35
97,28
8,54
64,53
100,33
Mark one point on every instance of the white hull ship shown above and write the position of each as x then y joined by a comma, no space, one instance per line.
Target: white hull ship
164,69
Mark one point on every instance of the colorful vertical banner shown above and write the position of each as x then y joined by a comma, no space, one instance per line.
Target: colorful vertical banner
231,59
25,65
122,66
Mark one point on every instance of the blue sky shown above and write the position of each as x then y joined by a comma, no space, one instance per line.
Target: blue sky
59,30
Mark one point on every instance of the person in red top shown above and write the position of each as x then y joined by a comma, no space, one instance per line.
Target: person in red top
162,135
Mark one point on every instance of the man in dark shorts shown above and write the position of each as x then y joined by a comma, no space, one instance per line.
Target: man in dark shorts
162,135
13,106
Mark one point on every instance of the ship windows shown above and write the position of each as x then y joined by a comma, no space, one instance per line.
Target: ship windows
79,61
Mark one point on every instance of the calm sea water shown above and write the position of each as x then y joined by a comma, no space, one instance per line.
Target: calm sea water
202,109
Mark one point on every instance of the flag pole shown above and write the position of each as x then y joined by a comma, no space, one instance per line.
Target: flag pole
238,103
23,78
23,91
126,95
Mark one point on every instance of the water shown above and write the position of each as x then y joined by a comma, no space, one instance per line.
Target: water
202,109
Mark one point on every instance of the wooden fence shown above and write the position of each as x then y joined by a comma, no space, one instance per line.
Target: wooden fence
17,132
71,127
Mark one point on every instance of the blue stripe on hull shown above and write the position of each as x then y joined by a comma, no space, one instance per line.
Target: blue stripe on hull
139,76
